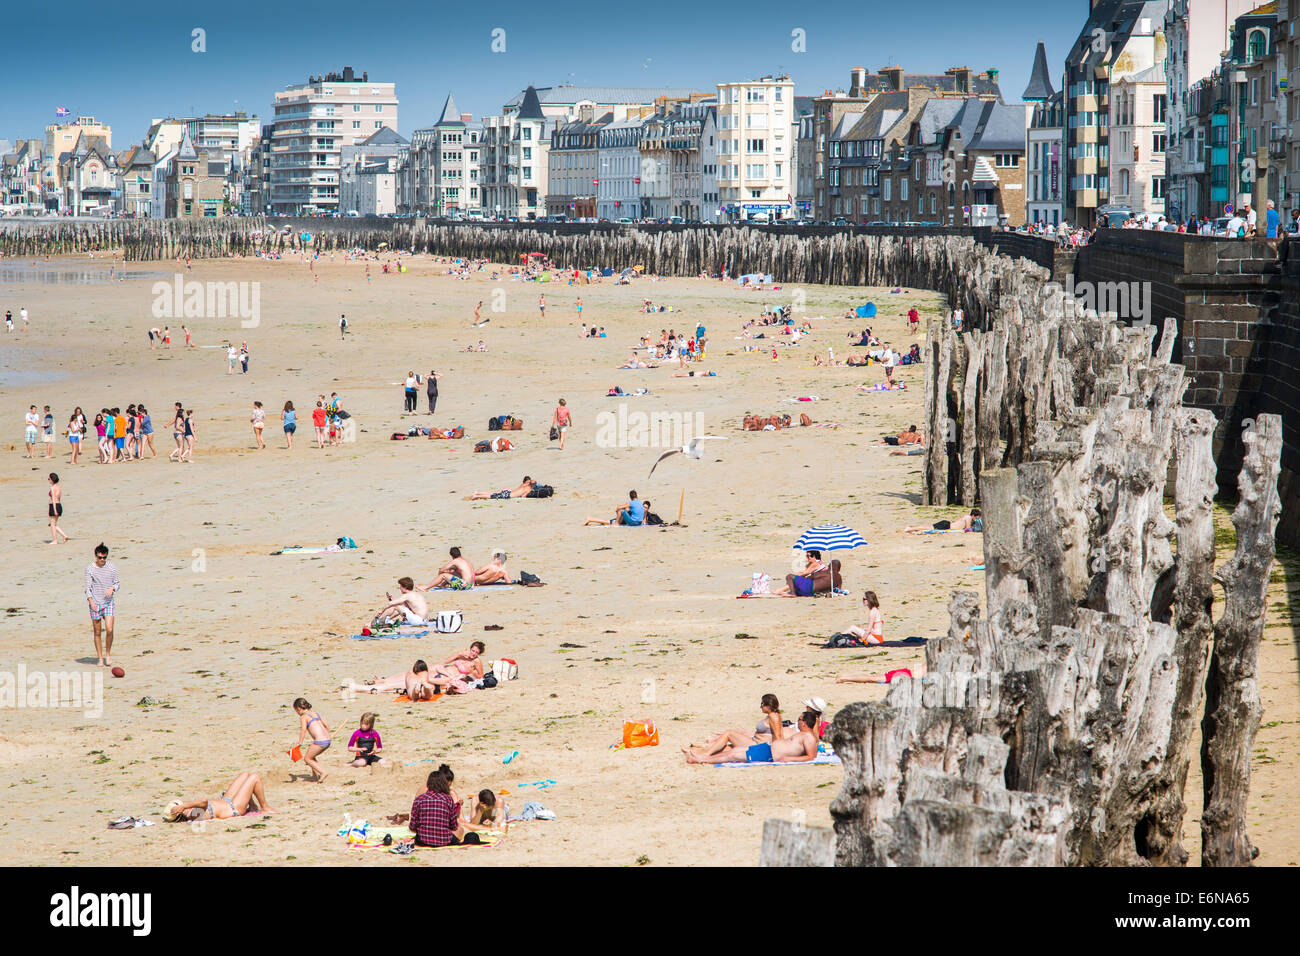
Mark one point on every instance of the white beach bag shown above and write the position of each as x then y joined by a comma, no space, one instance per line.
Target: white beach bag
762,584
505,669
448,622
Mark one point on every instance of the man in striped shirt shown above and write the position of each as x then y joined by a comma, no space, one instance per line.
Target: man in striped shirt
101,589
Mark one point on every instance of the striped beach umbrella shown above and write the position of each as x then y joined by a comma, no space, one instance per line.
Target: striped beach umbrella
830,537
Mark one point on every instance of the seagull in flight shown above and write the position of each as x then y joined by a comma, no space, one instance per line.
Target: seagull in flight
692,449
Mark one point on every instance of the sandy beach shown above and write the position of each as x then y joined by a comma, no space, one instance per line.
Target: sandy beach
632,623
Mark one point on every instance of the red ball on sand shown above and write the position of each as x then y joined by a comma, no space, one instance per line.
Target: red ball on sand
118,672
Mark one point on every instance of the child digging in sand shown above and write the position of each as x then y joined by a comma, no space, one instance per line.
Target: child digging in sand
365,744
306,718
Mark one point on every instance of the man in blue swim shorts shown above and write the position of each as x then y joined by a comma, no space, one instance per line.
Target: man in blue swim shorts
799,747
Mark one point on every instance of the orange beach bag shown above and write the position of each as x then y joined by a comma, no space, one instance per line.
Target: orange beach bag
640,733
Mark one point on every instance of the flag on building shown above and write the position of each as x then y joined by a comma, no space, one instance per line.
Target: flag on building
62,111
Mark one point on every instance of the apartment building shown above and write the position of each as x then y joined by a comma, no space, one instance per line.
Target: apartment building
1044,145
1197,32
756,148
1120,39
618,192
367,174
312,123
1288,71
440,172
514,167
836,113
574,173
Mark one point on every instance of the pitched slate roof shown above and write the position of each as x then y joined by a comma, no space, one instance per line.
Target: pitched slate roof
1040,80
450,115
384,136
530,108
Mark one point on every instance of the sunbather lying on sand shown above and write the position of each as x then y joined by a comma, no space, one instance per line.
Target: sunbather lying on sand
970,522
243,792
457,573
409,607
417,683
522,491
634,362
494,573
892,386
799,747
767,730
910,436
886,678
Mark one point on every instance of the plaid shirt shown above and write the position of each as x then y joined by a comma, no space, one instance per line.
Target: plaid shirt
434,818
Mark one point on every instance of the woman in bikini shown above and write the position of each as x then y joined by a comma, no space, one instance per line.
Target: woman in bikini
244,791
178,435
768,729
465,665
874,630
56,509
306,718
146,432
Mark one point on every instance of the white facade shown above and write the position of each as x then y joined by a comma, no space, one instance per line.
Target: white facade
1138,142
313,121
1045,157
756,154
618,195
1196,36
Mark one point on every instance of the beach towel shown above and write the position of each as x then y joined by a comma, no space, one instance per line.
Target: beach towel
374,839
403,699
905,642
331,549
499,586
820,760
382,635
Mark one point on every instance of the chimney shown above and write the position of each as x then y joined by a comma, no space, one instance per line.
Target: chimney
857,80
586,112
895,75
961,78
348,75
466,117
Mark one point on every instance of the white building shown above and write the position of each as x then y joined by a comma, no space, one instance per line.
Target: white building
618,194
1045,146
1138,142
756,154
362,160
440,173
515,146
1196,37
313,121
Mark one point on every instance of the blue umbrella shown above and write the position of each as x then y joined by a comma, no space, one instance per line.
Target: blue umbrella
830,537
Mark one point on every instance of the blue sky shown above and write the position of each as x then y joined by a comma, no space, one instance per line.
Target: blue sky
130,62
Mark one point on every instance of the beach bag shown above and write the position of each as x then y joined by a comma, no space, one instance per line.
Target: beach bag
447,622
762,584
843,640
541,491
640,733
346,542
494,423
529,580
652,518
505,669
488,681
555,432
484,445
